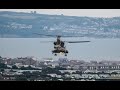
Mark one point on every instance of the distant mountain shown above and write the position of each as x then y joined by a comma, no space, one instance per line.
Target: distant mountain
23,25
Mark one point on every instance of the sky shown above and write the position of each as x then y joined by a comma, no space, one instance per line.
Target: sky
73,12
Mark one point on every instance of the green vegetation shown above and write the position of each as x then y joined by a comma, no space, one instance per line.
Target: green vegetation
14,67
21,78
2,70
2,65
28,68
49,70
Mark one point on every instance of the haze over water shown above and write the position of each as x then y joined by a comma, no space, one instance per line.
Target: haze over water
97,49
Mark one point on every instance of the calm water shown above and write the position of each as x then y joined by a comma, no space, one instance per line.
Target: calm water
97,49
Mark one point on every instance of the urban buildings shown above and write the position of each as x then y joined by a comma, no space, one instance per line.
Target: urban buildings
63,69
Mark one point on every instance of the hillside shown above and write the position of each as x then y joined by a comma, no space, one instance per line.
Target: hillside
23,25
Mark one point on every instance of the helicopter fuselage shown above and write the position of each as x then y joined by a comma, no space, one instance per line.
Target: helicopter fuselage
59,47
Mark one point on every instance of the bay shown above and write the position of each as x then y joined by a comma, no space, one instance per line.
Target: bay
97,49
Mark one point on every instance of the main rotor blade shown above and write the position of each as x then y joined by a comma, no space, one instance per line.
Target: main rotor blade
70,36
46,41
45,35
57,35
77,41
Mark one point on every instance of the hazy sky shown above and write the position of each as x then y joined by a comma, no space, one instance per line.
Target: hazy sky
73,12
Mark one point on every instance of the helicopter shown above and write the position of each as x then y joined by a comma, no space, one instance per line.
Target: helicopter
59,45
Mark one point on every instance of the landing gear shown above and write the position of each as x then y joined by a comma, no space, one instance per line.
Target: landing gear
62,51
66,51
65,54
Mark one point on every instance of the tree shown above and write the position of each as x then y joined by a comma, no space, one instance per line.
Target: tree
36,73
23,68
21,78
74,73
114,73
67,73
0,59
49,70
54,79
1,70
27,68
14,67
2,65
27,74
60,68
